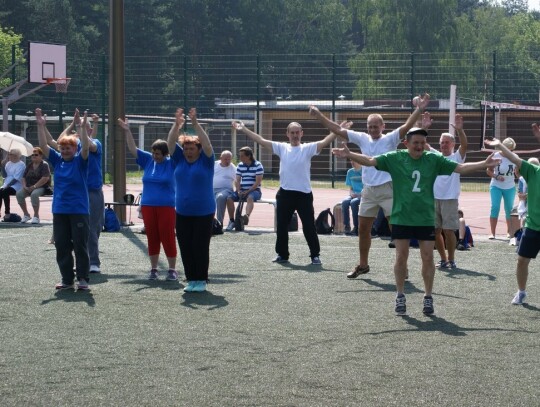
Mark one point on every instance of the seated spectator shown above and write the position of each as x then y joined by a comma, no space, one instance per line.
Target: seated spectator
224,177
354,181
14,168
249,175
464,235
35,182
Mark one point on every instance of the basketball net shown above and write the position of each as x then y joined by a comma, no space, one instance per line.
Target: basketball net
61,84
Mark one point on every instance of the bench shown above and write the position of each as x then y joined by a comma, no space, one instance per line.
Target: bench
271,202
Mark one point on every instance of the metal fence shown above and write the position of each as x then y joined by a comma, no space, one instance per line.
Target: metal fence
223,87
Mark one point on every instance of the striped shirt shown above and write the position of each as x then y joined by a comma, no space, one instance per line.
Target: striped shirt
249,174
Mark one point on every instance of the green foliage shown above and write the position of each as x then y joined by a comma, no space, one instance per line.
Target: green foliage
8,39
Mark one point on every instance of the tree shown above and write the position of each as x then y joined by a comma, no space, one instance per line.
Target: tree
8,39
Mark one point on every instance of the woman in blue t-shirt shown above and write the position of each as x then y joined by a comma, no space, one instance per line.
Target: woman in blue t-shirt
70,206
157,202
195,203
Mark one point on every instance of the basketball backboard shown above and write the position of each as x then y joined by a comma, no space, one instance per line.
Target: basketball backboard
46,61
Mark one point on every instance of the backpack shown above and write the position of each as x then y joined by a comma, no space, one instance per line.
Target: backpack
321,223
293,224
238,220
13,218
111,223
217,227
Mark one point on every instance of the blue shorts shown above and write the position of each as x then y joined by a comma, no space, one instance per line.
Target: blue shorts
256,195
413,232
529,245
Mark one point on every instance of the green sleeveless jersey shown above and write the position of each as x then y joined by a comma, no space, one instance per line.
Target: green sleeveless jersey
531,174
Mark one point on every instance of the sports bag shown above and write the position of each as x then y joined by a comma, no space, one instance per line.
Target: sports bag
111,223
322,224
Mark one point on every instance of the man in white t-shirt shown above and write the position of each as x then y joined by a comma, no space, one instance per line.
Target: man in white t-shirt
295,192
377,192
224,176
446,191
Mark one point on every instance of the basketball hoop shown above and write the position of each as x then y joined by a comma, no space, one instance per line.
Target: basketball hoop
61,84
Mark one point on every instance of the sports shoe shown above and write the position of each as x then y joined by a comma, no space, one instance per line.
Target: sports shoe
347,229
491,237
512,242
401,305
451,264
316,260
461,246
442,264
172,275
280,259
199,286
83,285
64,286
153,275
428,306
35,220
94,268
190,286
519,297
358,270
354,232
230,226
392,245
245,219
25,219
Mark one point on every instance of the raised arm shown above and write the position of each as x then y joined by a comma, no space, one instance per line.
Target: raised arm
536,131
344,152
463,142
252,135
203,137
333,127
74,125
83,137
130,142
332,136
505,152
92,132
42,130
421,103
172,138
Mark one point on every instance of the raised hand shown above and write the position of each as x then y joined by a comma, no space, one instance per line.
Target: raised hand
426,121
41,119
237,125
492,162
346,124
492,142
76,117
341,152
192,114
536,131
421,101
314,110
180,117
458,122
95,118
123,123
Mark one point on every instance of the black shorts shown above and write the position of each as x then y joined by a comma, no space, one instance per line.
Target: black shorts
413,232
529,245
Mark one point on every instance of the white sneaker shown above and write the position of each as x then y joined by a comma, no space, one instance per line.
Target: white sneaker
94,268
25,219
230,226
35,220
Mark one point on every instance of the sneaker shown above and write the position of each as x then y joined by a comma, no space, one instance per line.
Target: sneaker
392,245
230,226
35,220
358,270
354,232
451,264
491,237
519,297
316,260
245,219
83,285
461,247
190,286
25,219
280,259
94,268
63,286
199,286
512,242
401,305
428,306
442,264
153,275
172,275
347,229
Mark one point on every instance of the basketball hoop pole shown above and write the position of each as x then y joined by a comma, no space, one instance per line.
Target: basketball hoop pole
13,97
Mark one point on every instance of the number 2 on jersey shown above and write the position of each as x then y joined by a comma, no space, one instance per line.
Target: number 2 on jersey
416,176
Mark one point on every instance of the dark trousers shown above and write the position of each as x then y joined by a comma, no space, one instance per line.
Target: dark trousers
193,234
70,233
5,194
288,202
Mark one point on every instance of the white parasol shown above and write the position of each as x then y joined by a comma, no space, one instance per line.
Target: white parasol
9,141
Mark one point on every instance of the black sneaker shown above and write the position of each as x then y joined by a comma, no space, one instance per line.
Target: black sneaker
428,306
401,305
392,245
280,259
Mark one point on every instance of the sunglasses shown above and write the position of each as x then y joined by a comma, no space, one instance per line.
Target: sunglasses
35,155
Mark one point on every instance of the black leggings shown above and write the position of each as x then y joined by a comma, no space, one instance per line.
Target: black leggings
193,234
5,193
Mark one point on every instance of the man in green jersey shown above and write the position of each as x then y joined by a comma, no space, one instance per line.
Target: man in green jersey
529,246
413,173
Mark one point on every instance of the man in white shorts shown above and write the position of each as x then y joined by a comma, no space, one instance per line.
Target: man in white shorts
446,191
377,192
